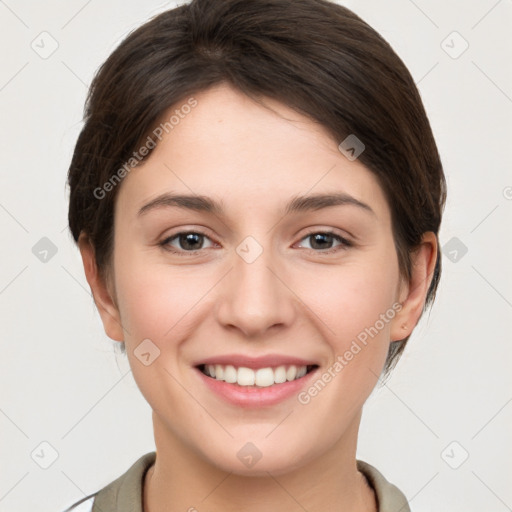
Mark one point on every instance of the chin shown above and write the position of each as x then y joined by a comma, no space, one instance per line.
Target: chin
246,458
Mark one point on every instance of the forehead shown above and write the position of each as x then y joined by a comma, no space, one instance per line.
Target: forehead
247,155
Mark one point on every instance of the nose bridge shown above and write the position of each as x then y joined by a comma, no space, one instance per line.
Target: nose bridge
255,298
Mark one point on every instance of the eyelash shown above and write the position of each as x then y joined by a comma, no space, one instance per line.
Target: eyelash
344,242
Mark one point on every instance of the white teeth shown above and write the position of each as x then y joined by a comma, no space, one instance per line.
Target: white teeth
280,375
245,377
291,373
219,371
230,374
301,372
263,377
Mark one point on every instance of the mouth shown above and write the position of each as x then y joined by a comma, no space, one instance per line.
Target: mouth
256,377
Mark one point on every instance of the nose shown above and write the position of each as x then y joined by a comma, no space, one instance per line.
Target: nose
255,297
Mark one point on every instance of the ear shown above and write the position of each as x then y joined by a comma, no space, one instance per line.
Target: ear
107,308
412,294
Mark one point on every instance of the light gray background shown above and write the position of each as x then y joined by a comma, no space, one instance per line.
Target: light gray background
63,384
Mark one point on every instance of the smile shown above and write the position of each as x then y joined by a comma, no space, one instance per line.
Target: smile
261,377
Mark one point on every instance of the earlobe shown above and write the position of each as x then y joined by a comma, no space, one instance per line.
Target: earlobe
107,308
414,293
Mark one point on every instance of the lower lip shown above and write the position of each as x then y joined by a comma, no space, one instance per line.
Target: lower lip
248,396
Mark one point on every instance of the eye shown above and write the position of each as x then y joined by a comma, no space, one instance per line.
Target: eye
323,240
191,242
188,242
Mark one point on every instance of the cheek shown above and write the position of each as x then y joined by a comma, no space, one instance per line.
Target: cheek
355,309
156,302
355,304
352,297
160,304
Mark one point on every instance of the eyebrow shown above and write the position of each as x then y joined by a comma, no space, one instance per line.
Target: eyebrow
297,204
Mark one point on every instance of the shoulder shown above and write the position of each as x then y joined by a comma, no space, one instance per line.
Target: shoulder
389,496
120,494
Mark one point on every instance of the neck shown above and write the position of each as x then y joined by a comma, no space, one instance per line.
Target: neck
182,480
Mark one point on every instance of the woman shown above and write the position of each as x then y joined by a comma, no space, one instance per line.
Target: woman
256,195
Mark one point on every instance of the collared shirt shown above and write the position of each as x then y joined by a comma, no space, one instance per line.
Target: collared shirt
125,493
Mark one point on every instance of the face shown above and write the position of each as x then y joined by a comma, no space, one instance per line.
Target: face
316,287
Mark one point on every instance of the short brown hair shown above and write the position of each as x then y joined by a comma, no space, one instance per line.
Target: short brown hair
314,56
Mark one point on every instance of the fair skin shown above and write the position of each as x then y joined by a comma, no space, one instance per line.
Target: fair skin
292,299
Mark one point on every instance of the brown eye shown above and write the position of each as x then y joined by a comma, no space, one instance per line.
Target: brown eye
322,241
186,241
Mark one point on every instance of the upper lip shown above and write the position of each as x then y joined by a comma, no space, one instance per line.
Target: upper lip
271,360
